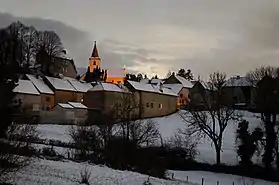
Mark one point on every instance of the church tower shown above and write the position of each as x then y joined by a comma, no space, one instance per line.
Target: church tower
94,60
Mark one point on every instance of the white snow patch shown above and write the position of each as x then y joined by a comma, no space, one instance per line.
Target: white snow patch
211,178
68,173
60,84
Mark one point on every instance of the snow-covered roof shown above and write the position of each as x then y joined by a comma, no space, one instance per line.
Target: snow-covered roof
238,81
176,88
184,82
39,84
60,84
65,105
115,73
26,87
77,105
79,86
151,88
156,81
102,86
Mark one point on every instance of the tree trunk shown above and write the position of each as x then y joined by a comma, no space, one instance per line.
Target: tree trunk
218,153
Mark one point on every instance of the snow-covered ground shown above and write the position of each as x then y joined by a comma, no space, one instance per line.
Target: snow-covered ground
211,178
168,126
46,172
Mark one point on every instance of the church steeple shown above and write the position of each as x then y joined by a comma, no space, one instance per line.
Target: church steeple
94,60
95,53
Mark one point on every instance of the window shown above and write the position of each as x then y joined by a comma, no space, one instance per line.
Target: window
160,106
147,104
181,95
48,99
94,63
151,105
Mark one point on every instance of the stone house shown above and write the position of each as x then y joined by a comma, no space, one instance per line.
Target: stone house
80,87
47,95
181,87
27,96
154,100
63,90
239,92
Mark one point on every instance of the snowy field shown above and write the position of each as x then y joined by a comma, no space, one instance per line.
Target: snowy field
168,126
211,178
68,173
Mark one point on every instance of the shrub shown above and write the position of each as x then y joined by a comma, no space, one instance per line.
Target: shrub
85,176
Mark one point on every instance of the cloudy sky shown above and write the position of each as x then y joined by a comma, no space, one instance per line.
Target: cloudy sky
154,36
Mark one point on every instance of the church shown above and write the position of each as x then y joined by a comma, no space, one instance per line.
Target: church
96,73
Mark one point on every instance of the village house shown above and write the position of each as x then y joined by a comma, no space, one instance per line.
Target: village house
47,95
27,97
202,95
181,87
154,100
239,92
102,99
63,90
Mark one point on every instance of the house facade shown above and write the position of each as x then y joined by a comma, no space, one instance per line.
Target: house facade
27,97
181,87
154,100
239,92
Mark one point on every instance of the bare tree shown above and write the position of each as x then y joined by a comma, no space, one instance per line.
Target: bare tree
144,132
258,73
214,119
51,42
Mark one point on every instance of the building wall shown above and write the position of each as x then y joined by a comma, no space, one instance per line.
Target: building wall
235,95
183,98
93,63
94,100
65,96
30,103
154,104
64,67
47,101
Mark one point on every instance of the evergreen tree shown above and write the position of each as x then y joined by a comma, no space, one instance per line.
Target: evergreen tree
248,142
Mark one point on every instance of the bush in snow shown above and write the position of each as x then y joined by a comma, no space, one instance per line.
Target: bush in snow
85,176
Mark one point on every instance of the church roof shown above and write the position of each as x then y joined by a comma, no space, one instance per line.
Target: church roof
95,51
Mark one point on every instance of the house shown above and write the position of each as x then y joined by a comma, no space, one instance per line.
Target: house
181,87
66,114
102,98
239,92
27,96
63,90
80,87
63,64
154,100
202,95
47,95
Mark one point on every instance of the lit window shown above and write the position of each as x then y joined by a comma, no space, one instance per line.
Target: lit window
160,106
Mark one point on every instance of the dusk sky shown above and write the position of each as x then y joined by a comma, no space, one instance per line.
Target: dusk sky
154,36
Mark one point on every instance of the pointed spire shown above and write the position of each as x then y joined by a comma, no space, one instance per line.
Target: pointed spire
95,51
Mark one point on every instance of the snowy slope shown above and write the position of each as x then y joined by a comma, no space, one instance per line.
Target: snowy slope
211,178
47,172
168,125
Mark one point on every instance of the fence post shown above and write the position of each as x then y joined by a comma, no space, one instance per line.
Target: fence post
217,182
233,183
172,176
202,181
187,178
